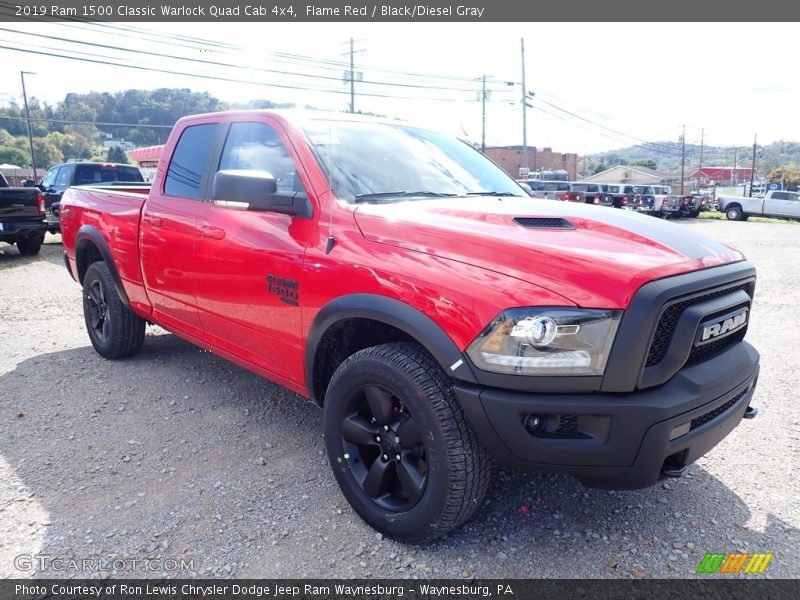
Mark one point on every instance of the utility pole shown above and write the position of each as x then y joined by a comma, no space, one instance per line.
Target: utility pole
352,80
28,120
700,168
351,75
683,157
483,116
753,168
525,162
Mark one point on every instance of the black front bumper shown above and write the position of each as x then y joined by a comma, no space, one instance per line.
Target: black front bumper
617,440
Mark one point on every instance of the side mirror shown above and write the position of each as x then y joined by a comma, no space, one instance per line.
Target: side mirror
257,191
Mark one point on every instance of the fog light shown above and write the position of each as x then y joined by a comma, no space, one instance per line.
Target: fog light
534,423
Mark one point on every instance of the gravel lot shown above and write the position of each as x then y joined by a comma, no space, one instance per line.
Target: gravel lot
178,454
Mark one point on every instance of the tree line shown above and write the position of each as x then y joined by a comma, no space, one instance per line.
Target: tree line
76,127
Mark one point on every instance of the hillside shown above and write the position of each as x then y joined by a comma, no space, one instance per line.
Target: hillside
76,126
667,156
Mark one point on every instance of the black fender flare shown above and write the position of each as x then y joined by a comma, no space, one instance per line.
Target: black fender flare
88,234
392,312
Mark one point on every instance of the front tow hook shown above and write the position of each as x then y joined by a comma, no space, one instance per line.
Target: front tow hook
750,412
674,472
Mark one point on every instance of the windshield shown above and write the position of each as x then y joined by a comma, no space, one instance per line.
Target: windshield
369,160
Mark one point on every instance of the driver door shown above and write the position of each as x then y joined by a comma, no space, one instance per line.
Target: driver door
249,263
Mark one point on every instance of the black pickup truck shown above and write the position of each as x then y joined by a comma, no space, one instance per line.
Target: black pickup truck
62,176
22,217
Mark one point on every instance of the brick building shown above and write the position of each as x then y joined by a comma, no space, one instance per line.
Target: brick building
718,176
511,159
16,175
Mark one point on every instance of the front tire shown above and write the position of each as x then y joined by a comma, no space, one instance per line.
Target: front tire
400,446
114,330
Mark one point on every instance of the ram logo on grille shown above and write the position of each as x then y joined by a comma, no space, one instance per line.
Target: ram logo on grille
723,326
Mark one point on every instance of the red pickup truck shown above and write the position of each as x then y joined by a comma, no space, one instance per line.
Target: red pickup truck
438,314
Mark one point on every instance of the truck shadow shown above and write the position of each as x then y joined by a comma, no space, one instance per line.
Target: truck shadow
178,455
51,251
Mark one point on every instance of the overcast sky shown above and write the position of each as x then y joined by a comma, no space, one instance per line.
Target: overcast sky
623,82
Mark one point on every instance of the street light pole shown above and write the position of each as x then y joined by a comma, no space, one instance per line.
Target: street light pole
525,162
28,120
683,158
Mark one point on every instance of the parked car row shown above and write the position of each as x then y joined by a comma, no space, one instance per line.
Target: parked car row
656,200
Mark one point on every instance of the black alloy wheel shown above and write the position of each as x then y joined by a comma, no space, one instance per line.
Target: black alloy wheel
98,318
384,442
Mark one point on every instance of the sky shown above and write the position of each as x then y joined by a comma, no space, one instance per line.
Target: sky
637,82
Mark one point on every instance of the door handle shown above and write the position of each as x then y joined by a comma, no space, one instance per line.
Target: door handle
212,233
155,221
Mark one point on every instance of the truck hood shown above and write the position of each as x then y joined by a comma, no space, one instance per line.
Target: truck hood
593,256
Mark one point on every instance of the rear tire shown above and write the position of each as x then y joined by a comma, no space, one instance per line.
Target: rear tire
30,246
114,330
401,448
734,213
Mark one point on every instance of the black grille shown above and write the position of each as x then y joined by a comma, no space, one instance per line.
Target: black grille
713,414
669,320
700,353
544,222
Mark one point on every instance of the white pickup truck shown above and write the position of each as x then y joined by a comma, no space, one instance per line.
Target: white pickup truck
777,203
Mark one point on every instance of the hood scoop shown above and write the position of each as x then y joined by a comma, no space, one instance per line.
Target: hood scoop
544,222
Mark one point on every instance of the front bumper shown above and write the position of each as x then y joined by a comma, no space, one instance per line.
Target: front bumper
621,440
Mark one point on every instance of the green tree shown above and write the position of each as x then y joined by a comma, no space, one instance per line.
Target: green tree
786,174
9,155
117,155
648,163
47,153
70,144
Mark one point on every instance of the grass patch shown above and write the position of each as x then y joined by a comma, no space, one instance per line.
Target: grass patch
720,216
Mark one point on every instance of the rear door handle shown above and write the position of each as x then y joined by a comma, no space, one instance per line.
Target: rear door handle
212,233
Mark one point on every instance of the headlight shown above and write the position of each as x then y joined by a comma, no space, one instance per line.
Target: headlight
546,341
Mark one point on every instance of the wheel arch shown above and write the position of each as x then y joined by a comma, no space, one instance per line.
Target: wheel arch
394,319
90,247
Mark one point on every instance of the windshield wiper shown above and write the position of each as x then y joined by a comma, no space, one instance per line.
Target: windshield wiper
493,194
399,195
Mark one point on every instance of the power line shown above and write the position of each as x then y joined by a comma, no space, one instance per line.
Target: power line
633,137
70,122
611,137
295,58
281,85
225,64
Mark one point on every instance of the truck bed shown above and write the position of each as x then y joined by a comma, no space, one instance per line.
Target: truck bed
115,212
